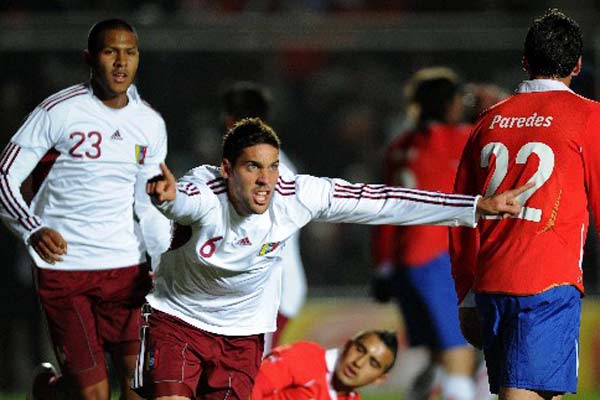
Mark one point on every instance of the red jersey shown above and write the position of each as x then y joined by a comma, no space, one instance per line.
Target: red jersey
544,134
423,159
300,371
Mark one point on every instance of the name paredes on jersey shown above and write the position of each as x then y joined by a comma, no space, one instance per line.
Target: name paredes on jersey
534,120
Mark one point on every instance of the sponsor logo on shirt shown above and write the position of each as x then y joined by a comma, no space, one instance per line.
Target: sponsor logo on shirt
140,153
268,248
244,242
116,136
533,120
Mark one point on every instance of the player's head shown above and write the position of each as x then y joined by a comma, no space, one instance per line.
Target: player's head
435,96
113,56
251,165
245,99
553,46
365,360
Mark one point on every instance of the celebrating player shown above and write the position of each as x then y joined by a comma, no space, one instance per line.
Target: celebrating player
217,294
90,150
413,264
526,270
248,99
304,370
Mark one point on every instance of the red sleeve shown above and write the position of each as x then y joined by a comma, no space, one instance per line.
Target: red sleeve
283,373
591,162
464,242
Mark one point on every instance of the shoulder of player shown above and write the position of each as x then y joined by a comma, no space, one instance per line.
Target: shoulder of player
302,349
65,98
286,183
209,176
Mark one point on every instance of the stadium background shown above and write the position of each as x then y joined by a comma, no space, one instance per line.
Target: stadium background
336,69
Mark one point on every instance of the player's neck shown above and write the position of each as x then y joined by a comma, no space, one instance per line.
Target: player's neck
566,80
109,99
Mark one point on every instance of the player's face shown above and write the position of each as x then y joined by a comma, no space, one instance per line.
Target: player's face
363,362
251,181
115,64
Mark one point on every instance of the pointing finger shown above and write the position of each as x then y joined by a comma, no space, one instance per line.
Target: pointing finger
521,189
166,172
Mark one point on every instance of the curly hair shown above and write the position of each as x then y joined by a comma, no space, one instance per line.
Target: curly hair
553,45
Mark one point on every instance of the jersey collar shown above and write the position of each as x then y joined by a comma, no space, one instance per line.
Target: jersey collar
542,85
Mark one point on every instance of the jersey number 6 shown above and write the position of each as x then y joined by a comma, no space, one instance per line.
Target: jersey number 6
543,173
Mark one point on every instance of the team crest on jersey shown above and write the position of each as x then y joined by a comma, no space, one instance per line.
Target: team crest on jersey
140,153
268,248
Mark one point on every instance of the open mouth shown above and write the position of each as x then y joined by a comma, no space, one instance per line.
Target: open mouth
261,197
119,77
350,372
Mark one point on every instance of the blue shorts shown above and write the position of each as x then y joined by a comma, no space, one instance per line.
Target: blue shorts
429,305
531,342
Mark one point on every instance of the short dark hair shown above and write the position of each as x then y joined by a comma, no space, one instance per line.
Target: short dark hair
246,133
553,45
94,42
389,339
432,90
246,99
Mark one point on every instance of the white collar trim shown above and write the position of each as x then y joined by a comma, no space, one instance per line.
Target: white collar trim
542,85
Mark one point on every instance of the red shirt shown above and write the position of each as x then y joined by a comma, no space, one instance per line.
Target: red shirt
546,134
424,160
300,371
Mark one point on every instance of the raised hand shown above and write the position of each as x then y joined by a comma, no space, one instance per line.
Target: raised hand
504,204
162,187
48,244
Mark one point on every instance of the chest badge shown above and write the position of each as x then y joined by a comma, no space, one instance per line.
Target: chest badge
268,248
140,153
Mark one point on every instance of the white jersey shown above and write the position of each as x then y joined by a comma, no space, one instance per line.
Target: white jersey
89,164
293,279
226,278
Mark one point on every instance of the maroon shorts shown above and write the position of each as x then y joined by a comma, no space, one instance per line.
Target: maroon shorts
182,360
89,312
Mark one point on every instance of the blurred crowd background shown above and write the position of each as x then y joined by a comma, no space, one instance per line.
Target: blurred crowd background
336,69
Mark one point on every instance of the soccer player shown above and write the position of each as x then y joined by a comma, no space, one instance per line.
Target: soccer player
90,150
525,271
217,294
413,264
305,370
248,99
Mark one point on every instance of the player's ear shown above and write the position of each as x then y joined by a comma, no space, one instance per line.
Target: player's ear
87,58
225,168
577,68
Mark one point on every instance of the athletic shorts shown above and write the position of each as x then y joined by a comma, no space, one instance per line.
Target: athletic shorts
90,312
531,342
429,304
178,359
